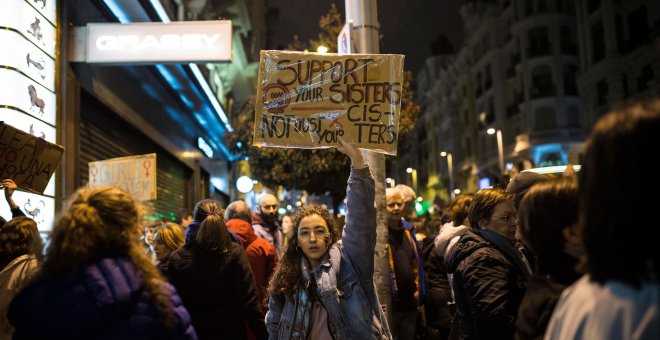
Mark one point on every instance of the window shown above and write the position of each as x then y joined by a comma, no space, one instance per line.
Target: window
529,7
598,41
545,119
570,86
567,39
479,87
540,6
593,5
566,6
573,117
638,29
602,91
542,85
489,78
645,76
539,43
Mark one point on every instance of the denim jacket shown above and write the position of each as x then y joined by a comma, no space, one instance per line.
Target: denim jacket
344,279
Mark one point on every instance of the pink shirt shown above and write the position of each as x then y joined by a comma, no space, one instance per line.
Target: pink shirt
319,323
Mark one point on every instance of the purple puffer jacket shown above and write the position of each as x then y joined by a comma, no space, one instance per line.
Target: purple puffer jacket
107,300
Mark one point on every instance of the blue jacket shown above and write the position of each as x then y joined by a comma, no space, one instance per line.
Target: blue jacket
107,300
344,280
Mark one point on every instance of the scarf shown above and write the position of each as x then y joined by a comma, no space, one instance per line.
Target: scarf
508,248
415,268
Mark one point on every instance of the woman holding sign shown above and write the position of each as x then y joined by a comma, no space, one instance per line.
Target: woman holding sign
323,288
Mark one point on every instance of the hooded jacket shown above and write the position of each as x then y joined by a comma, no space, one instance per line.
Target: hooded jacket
488,287
107,300
261,255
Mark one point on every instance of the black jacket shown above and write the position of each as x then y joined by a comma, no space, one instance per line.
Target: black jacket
488,287
219,292
543,292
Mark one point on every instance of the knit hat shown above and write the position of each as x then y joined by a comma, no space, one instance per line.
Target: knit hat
521,182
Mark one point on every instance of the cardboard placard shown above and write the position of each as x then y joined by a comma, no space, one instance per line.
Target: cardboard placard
135,174
28,160
306,100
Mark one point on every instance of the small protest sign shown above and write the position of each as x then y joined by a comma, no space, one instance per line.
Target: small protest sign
135,174
307,100
28,160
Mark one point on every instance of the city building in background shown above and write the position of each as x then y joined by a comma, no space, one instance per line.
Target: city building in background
538,73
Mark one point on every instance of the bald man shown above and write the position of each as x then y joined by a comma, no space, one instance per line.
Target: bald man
264,221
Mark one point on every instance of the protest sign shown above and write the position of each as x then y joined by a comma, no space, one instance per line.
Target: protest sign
135,174
307,100
28,160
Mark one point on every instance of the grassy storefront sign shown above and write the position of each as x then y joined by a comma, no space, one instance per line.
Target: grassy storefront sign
307,100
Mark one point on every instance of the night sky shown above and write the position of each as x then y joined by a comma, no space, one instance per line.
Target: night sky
408,26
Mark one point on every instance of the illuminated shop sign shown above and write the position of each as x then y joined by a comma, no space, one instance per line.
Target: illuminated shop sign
198,41
27,88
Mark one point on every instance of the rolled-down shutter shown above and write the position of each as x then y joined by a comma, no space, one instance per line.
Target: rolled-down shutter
103,135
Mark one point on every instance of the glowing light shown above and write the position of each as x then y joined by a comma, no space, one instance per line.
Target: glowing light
244,184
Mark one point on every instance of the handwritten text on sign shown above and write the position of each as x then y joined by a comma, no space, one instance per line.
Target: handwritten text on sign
135,174
28,160
307,100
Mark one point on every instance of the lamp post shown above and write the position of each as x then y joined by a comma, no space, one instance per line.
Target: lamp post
450,171
413,174
500,147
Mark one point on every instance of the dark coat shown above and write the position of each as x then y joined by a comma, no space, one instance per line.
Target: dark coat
543,292
488,288
107,300
219,292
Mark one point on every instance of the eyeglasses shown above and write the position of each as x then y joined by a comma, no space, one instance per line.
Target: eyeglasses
507,218
319,232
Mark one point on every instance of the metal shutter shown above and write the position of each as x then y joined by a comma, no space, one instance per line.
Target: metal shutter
105,135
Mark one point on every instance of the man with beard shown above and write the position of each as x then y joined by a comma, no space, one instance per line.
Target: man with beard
264,221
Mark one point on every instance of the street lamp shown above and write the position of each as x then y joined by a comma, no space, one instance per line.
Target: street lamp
450,170
500,147
391,182
413,173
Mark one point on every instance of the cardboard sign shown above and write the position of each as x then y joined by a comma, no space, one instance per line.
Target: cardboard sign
135,174
28,160
306,100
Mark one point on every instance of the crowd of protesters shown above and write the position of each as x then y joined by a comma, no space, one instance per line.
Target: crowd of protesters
554,257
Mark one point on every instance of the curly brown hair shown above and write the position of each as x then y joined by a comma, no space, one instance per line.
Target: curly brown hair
287,276
100,223
19,236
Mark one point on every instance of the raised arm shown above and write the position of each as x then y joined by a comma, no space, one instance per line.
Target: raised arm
10,186
359,235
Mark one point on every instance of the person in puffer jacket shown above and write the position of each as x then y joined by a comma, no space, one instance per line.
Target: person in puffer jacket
323,287
489,273
96,282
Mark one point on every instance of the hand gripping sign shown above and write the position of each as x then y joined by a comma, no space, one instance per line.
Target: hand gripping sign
307,100
29,160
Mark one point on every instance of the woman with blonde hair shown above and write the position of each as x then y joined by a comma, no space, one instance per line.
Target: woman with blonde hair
168,238
96,281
